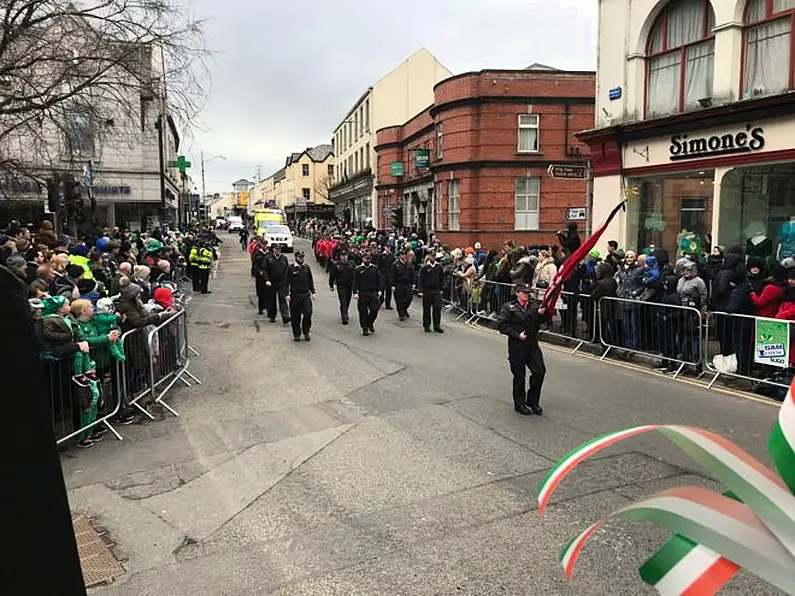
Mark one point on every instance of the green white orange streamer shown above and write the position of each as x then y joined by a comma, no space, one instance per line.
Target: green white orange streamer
715,534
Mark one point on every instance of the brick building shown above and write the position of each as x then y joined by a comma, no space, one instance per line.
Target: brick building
473,166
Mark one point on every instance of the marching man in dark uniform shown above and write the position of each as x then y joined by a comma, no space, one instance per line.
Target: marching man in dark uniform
258,272
431,282
368,287
301,288
341,273
384,262
521,321
276,266
403,276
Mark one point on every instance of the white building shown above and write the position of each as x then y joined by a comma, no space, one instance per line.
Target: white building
394,99
695,124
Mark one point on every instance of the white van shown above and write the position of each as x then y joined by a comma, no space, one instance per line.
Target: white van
235,223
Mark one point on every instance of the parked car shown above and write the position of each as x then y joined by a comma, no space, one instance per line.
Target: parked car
235,223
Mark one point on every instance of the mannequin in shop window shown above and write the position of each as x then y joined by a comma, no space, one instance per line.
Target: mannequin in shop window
786,240
759,245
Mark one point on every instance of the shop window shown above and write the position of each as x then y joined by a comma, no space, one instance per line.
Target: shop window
768,52
757,210
526,203
453,206
680,58
671,212
78,132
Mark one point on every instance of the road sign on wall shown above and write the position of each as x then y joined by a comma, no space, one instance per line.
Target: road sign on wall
567,171
576,214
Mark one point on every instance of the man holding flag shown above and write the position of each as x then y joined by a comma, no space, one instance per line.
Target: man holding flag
521,322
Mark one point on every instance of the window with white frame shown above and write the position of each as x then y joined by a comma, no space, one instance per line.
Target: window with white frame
366,115
526,203
528,133
680,58
356,125
437,201
453,205
361,120
79,132
439,135
769,54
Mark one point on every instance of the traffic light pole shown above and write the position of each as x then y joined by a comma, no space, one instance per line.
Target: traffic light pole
162,161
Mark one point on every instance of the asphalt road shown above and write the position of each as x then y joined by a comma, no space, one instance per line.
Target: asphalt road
391,464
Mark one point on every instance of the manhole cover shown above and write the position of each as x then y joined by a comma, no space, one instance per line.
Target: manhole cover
97,561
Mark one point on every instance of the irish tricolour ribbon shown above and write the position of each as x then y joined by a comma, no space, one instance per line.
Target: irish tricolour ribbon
751,526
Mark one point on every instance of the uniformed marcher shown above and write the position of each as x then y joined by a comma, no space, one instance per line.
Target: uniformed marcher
384,262
403,276
431,282
201,258
341,274
521,321
301,288
276,284
258,272
368,287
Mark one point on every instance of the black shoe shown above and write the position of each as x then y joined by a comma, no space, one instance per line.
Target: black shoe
438,330
427,329
96,438
306,337
207,292
271,320
537,410
100,430
286,321
126,419
523,410
401,318
372,329
366,332
344,321
85,444
389,308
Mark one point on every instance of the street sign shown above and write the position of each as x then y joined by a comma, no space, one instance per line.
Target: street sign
567,171
397,168
300,201
576,213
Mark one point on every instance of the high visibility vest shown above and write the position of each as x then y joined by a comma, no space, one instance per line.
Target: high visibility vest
201,258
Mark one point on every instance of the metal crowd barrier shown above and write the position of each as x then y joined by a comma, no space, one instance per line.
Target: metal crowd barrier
735,334
670,332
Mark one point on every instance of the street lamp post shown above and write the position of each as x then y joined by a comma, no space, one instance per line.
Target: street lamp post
204,189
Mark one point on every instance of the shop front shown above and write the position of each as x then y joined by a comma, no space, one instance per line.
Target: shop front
732,186
353,200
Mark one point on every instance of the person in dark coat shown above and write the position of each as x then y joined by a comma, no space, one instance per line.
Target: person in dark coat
341,274
521,322
275,278
431,282
384,262
404,278
368,288
301,288
570,239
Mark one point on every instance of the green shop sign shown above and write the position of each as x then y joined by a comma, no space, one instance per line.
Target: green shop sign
397,169
422,158
771,343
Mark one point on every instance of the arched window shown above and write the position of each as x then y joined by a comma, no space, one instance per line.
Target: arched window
680,58
768,52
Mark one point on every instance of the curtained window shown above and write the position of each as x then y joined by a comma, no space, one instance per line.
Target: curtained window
768,53
680,58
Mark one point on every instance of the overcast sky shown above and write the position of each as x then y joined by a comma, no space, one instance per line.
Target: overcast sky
285,73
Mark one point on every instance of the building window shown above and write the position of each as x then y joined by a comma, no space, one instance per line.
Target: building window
331,170
361,157
439,151
367,115
526,207
453,206
306,193
305,169
437,201
361,120
356,162
673,212
356,125
528,133
769,55
680,58
367,156
350,165
78,132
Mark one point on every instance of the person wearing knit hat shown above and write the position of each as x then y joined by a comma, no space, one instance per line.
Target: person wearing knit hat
52,304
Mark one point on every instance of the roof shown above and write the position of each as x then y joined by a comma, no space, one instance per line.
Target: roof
241,181
539,66
317,154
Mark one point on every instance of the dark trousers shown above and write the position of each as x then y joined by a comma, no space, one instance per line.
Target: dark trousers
276,295
262,302
301,314
403,297
386,297
432,308
368,309
201,277
522,358
344,294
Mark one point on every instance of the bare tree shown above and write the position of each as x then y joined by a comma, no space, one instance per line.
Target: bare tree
323,188
75,74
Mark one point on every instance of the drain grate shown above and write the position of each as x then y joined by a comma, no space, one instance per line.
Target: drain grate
96,559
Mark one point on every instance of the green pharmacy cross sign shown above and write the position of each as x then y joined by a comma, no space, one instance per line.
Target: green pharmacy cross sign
181,164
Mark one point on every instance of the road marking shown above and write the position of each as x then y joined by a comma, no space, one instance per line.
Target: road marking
636,368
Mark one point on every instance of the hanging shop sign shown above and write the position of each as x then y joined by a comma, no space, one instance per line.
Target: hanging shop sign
771,343
422,158
693,147
397,168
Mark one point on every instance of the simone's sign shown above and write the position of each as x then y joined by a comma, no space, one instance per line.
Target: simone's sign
687,147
